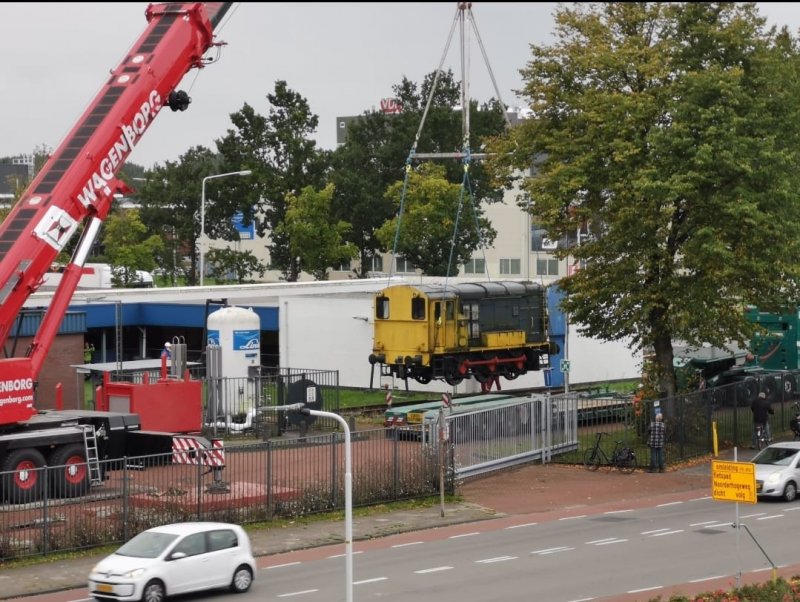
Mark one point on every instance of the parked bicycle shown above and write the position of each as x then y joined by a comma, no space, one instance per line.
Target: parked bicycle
762,440
623,458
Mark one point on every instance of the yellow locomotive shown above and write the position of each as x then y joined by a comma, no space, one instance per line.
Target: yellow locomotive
483,330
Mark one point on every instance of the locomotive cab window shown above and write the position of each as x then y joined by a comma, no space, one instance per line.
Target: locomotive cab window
418,308
382,308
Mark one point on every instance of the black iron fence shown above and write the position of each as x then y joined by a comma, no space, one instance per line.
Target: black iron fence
261,481
697,423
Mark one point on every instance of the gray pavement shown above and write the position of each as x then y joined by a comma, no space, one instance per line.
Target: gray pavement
48,575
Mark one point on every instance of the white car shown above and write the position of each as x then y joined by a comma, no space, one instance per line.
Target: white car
777,471
176,559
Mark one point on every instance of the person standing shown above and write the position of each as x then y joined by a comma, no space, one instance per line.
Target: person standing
656,438
88,353
166,352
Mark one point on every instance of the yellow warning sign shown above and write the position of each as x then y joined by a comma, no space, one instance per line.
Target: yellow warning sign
733,481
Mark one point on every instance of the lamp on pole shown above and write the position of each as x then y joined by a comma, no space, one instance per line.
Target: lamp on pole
245,172
348,487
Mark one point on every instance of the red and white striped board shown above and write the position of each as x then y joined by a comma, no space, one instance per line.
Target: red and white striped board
198,450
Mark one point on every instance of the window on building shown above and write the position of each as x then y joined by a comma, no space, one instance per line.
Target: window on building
343,266
377,263
403,266
475,266
547,267
510,266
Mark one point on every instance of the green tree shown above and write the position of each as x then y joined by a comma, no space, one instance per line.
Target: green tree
671,129
317,240
284,160
377,151
229,265
170,199
128,248
429,236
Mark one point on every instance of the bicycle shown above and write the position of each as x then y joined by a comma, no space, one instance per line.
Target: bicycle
623,458
762,440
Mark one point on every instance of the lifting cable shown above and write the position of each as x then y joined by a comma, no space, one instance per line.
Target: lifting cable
463,9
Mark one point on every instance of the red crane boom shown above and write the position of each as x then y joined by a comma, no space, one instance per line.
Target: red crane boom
75,188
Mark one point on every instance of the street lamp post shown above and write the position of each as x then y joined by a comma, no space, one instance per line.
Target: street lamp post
245,172
348,487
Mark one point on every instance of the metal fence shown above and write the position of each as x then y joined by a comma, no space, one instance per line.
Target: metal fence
237,405
261,481
694,422
502,434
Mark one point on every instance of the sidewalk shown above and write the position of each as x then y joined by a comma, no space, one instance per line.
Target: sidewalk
526,490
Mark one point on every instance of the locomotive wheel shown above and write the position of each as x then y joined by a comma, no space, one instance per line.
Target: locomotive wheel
423,377
453,380
70,474
481,376
25,480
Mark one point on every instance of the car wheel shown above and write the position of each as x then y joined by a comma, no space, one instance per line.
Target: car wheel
790,491
242,579
154,591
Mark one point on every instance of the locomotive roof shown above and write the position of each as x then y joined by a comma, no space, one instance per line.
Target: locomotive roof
479,290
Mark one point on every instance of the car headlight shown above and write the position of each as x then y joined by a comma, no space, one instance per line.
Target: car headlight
133,573
773,479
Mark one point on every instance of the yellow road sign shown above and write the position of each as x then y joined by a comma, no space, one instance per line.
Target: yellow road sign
733,481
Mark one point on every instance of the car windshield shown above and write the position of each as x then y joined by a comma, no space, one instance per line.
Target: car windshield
778,456
147,545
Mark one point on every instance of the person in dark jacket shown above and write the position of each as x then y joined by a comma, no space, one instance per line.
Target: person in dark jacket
656,439
761,410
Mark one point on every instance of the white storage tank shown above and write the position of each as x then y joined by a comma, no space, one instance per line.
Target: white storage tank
237,331
234,360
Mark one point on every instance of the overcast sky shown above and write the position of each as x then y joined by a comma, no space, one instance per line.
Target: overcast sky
343,57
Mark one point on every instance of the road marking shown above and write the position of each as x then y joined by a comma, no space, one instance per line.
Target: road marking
552,550
302,593
667,533
363,581
403,545
717,525
618,511
653,532
280,566
707,578
600,540
644,589
708,522
700,499
464,535
605,543
664,506
520,526
770,517
582,600
434,570
572,517
497,559
343,555
754,514
792,509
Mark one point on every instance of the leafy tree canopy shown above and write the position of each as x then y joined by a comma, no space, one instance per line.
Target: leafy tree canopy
671,129
440,225
379,145
317,240
283,157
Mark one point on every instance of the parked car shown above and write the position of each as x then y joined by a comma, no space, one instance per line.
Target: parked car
176,559
777,471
